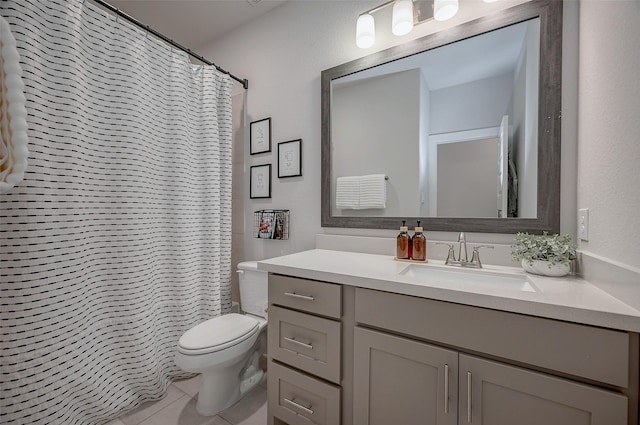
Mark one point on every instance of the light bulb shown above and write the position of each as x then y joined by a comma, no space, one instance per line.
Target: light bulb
365,31
444,9
402,20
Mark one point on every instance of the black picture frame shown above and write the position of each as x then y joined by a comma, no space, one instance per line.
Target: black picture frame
290,159
260,136
260,181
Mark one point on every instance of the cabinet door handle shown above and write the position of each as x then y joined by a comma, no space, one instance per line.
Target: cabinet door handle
303,297
299,406
446,388
469,419
295,341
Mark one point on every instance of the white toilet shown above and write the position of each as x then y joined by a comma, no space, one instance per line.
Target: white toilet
226,350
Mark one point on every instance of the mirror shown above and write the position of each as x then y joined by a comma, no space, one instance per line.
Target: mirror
464,123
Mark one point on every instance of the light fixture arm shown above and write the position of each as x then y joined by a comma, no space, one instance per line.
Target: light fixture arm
378,8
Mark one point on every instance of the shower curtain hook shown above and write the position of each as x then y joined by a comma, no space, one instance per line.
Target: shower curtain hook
117,14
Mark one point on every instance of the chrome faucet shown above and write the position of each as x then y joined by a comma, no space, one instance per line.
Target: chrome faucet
463,259
462,251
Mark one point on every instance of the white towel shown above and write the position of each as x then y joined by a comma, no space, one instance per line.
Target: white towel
373,191
348,192
361,192
13,115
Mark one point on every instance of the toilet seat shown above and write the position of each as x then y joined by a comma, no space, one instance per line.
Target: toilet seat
217,334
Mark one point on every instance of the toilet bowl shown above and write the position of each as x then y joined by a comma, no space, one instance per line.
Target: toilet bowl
226,350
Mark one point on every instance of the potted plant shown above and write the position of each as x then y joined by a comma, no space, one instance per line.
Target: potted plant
549,255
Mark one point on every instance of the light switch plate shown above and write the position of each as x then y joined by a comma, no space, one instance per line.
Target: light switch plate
583,224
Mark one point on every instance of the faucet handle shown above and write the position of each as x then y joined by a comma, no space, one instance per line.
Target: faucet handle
475,256
451,255
476,247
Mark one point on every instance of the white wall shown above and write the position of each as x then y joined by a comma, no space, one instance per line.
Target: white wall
282,55
425,102
609,128
470,106
467,178
384,112
528,173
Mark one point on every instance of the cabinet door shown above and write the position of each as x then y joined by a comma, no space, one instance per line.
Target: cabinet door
403,382
496,394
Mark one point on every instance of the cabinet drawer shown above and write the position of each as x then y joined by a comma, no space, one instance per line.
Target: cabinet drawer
296,398
307,342
593,353
306,295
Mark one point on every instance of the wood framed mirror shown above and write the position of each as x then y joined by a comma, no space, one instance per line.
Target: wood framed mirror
391,113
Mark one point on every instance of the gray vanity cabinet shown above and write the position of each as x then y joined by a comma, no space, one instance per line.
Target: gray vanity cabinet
493,393
401,381
304,350
347,355
505,368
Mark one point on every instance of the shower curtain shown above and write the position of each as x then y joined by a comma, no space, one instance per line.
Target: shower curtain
119,238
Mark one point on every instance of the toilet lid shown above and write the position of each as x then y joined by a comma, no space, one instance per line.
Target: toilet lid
218,333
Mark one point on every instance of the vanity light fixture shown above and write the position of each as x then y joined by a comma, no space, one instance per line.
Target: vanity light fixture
365,31
402,20
405,15
444,9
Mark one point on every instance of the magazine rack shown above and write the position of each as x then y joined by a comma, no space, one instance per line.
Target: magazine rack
271,224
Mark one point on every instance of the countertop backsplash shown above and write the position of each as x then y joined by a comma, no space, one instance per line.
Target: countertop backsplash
500,255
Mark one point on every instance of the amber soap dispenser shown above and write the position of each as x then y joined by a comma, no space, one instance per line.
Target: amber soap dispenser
419,245
403,243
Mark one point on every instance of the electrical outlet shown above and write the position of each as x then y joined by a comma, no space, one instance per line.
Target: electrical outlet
583,224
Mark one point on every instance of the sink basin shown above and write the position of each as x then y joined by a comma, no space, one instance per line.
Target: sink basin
467,279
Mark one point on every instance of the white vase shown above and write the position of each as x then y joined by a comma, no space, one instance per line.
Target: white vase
543,268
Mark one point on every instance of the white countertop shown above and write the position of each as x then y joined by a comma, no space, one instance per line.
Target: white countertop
569,298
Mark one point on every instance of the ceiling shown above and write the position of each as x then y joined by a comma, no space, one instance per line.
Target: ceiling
487,55
195,23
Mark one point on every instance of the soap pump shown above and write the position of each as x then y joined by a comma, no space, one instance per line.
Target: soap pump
419,243
403,243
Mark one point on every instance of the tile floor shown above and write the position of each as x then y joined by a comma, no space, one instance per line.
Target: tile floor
178,407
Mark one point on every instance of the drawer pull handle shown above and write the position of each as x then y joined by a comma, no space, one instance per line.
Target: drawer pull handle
446,388
469,419
295,341
302,297
299,406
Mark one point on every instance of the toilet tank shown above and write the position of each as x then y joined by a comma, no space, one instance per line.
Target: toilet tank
253,288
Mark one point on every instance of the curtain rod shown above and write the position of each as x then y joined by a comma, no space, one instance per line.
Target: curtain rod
243,81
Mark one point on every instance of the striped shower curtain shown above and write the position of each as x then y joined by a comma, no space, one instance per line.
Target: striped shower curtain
119,238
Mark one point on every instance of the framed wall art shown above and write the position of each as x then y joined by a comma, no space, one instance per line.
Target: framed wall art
290,158
260,136
260,181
